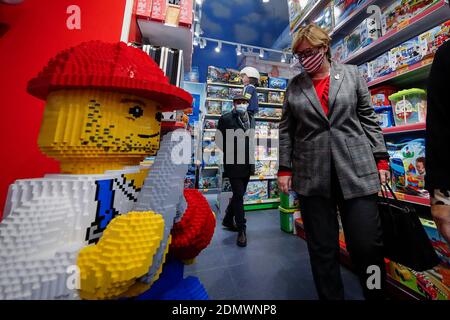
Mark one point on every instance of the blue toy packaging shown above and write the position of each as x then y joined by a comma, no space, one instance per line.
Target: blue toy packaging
407,160
278,83
363,35
325,19
406,54
257,190
385,117
379,67
339,51
342,8
364,70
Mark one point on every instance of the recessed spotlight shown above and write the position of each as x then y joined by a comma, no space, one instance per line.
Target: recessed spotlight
219,47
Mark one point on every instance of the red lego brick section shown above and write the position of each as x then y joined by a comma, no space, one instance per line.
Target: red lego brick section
112,67
195,230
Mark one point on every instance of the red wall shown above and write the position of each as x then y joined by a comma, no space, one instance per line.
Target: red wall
37,31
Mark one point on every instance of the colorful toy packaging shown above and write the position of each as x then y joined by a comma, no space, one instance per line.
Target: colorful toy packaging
214,107
256,190
289,201
409,106
385,117
342,8
431,40
189,182
363,35
217,92
266,168
223,75
401,11
364,70
407,160
379,67
274,191
262,96
276,97
211,124
233,92
326,18
269,113
208,182
406,54
227,106
264,80
278,83
339,51
380,95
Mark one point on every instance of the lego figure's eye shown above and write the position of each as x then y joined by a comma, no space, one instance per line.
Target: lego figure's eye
158,116
136,111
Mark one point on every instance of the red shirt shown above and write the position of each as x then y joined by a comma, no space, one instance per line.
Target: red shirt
322,87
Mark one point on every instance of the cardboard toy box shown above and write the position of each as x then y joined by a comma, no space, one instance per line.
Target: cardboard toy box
256,190
379,67
406,54
339,51
363,35
342,8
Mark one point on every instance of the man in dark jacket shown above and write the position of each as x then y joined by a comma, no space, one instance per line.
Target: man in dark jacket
236,137
438,137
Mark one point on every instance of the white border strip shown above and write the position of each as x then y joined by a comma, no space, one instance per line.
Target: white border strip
128,13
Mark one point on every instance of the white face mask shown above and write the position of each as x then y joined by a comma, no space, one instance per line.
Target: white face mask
242,107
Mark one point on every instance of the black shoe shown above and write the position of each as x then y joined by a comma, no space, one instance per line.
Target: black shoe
242,239
230,226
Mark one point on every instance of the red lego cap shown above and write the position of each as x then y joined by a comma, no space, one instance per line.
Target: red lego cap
109,66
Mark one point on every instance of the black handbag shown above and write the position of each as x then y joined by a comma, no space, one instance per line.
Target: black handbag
405,239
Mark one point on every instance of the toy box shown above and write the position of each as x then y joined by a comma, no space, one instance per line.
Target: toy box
208,182
406,54
209,135
214,107
263,80
274,191
217,92
363,35
211,124
211,158
234,76
400,12
265,129
342,8
325,19
233,92
210,146
278,83
364,71
289,201
294,12
385,117
380,95
226,185
266,168
227,106
216,74
276,97
339,51
269,113
431,40
407,160
256,190
379,67
262,96
409,106
189,182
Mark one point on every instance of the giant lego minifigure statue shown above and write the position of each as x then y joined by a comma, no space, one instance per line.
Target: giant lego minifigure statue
104,215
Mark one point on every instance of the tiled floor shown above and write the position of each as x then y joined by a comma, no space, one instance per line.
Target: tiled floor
274,265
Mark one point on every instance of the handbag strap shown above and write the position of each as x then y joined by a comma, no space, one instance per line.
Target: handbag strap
388,187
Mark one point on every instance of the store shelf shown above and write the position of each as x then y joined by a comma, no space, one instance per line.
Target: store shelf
433,16
311,14
208,191
261,206
213,115
219,99
355,18
160,34
267,119
210,130
270,104
211,168
412,199
262,201
269,89
418,72
225,84
252,178
405,128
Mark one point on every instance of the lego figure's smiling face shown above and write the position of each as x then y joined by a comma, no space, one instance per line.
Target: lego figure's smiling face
91,131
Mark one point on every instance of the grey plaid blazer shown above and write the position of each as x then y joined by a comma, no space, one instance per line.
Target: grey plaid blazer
350,135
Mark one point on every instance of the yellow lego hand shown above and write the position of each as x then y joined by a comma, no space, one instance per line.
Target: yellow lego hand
124,253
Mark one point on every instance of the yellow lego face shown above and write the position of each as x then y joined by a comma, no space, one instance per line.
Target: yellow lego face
90,131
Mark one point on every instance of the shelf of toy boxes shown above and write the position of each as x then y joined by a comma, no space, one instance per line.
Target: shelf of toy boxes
310,13
422,22
259,204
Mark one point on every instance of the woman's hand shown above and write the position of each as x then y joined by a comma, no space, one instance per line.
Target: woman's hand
385,176
285,183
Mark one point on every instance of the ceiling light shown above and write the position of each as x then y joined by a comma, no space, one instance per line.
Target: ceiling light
265,1
196,41
199,2
219,47
261,53
283,58
202,43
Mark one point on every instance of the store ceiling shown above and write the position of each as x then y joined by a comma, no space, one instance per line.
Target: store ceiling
245,21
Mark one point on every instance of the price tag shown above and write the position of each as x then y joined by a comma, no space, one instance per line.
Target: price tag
403,25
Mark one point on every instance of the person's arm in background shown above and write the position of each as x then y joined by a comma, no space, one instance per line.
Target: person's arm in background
438,140
286,139
368,119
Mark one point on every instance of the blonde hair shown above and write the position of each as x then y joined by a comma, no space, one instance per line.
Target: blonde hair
315,35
